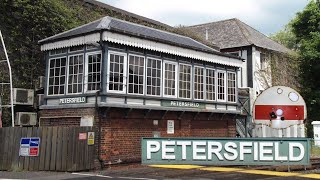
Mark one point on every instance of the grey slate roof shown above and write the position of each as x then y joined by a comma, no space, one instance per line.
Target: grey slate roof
115,25
233,33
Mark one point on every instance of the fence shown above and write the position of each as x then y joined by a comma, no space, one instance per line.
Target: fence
59,150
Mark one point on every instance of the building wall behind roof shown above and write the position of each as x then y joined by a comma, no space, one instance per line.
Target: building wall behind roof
121,137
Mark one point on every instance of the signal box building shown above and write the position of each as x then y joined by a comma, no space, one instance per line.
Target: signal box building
131,81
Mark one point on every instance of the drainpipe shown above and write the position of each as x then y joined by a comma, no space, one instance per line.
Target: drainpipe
96,103
99,129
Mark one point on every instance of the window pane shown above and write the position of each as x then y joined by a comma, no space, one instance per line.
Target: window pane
210,84
56,76
94,73
198,83
184,81
231,87
75,74
116,72
221,85
136,74
169,79
153,76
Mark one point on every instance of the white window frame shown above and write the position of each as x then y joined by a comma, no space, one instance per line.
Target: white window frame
161,76
176,78
225,85
235,87
191,84
215,84
203,81
87,70
67,84
66,76
144,74
124,84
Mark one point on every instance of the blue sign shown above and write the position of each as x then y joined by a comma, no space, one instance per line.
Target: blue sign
34,142
25,141
29,146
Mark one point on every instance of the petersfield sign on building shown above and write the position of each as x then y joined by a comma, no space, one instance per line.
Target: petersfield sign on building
226,151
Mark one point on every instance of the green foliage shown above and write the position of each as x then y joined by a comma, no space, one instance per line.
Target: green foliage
307,21
24,22
286,37
302,35
306,27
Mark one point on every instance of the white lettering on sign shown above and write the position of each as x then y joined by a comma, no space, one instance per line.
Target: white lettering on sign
76,100
184,145
184,104
243,150
291,155
277,153
230,148
166,149
152,147
216,150
230,151
255,155
265,151
197,149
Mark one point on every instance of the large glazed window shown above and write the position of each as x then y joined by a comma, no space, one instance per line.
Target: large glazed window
93,71
198,83
117,72
184,81
231,87
210,84
153,77
75,80
221,85
136,74
57,76
170,79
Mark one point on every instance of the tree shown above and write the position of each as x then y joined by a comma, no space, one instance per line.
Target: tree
306,27
286,37
23,23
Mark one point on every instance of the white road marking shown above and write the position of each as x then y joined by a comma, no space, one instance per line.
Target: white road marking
82,174
92,175
136,178
99,175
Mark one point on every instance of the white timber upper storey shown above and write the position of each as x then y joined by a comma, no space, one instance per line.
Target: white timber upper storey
138,61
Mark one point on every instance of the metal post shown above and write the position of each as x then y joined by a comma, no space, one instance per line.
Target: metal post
0,111
10,76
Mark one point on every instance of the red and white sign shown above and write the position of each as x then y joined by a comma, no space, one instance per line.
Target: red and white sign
280,107
82,136
34,151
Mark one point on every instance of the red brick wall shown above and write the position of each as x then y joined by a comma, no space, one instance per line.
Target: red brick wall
121,137
64,117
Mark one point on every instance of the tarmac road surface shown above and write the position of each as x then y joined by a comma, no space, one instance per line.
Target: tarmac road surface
162,172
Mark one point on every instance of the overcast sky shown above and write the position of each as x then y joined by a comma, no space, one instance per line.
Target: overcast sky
267,16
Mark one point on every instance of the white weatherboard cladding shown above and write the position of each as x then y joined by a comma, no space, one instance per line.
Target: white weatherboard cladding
145,44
